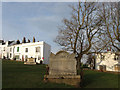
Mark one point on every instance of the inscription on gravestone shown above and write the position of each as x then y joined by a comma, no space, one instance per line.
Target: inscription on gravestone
62,64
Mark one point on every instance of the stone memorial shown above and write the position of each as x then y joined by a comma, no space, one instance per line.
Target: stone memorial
62,69
30,61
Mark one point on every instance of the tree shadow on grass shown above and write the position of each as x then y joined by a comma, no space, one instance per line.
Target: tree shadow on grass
91,77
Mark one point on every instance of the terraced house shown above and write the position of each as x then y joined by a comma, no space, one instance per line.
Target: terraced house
108,61
20,52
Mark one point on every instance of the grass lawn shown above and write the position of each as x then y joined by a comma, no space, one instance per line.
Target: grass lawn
95,79
17,75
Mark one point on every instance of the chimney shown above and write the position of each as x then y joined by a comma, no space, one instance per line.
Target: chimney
33,39
24,40
28,40
109,49
18,42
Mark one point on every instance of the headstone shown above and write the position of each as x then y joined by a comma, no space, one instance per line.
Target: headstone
62,64
30,61
62,68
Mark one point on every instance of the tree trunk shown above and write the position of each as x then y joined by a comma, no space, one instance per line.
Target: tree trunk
78,64
80,69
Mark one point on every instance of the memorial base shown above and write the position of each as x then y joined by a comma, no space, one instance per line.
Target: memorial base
70,80
30,63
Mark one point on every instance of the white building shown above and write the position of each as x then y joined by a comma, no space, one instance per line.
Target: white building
108,61
4,51
1,41
38,50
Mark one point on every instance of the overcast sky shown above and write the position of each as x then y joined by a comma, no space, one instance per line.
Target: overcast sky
39,19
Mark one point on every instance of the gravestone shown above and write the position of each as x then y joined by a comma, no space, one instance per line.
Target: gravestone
62,64
62,68
30,61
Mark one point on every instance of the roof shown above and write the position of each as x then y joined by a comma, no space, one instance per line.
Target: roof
1,41
12,43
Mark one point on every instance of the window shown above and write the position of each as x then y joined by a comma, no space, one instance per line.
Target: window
4,49
7,55
39,57
17,49
26,57
26,49
10,55
10,49
117,57
102,68
117,67
37,49
102,57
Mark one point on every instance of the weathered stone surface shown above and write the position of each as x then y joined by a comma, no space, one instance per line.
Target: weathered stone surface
30,61
63,76
62,69
62,63
69,81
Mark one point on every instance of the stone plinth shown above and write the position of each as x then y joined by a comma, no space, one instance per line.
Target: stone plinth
30,61
70,80
62,69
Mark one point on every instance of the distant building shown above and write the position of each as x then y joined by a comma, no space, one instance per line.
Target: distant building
20,52
108,61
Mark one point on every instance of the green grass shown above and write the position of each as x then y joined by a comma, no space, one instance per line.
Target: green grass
95,79
17,75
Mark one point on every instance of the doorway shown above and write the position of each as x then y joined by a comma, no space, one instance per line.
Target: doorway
102,68
22,58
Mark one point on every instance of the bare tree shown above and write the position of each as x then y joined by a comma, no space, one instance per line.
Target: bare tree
111,25
79,32
91,61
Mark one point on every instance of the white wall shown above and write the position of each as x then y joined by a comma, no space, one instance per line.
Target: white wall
46,52
4,50
32,50
18,53
0,51
11,52
108,61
